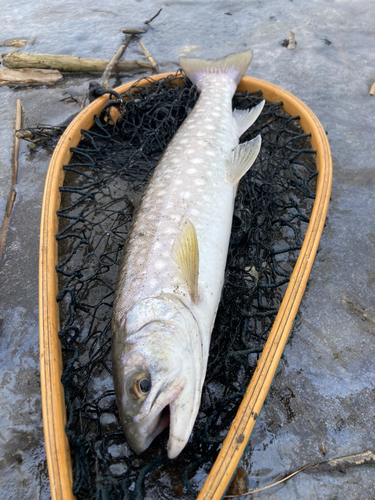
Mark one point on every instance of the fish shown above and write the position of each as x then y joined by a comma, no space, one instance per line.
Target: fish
172,273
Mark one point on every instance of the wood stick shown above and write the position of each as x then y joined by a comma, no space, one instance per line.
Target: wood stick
372,90
249,492
16,141
292,41
152,18
18,42
104,82
132,31
66,63
339,464
149,56
26,75
12,192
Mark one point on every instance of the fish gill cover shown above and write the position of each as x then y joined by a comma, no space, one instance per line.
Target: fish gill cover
108,171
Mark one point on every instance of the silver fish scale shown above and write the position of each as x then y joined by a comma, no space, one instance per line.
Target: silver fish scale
189,182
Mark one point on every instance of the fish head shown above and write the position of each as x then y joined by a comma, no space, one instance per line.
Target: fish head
157,383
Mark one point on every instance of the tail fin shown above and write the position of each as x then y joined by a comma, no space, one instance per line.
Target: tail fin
234,65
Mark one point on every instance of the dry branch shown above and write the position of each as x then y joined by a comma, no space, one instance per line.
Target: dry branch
66,63
23,76
152,18
342,463
12,192
339,464
18,42
148,56
292,41
104,82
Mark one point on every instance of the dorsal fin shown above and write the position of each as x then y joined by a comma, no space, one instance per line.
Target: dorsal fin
240,159
185,253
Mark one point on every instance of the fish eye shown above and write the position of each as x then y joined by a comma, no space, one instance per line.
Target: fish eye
140,386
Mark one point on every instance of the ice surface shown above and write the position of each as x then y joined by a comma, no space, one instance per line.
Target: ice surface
325,385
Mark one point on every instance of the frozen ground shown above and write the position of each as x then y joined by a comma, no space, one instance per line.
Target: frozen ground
324,391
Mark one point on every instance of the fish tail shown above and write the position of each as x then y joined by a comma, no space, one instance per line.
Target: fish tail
234,65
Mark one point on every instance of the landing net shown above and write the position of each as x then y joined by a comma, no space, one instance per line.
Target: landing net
106,175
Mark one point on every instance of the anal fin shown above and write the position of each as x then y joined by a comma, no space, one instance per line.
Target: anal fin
245,118
185,253
240,159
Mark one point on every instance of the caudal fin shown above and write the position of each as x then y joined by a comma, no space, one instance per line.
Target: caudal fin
234,65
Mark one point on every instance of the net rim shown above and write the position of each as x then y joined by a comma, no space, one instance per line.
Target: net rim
52,391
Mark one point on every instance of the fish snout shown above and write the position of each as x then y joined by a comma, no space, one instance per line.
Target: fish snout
183,412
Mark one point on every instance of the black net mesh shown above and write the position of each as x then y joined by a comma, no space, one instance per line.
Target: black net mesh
107,172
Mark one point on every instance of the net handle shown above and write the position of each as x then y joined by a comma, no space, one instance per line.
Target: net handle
51,365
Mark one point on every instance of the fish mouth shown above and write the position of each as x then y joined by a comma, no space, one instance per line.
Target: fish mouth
155,416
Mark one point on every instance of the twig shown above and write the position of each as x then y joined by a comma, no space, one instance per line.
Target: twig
104,82
372,90
342,463
132,31
156,15
337,464
292,41
273,484
16,141
12,192
19,42
149,56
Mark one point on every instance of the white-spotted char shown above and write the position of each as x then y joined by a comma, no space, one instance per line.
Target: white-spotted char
172,273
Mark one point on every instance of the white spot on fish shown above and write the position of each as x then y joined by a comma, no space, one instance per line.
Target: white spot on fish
199,182
210,127
210,153
192,171
157,245
161,193
197,160
178,181
153,282
160,264
183,141
186,194
194,211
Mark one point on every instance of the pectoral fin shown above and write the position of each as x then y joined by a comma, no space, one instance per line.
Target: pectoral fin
241,158
185,253
245,118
